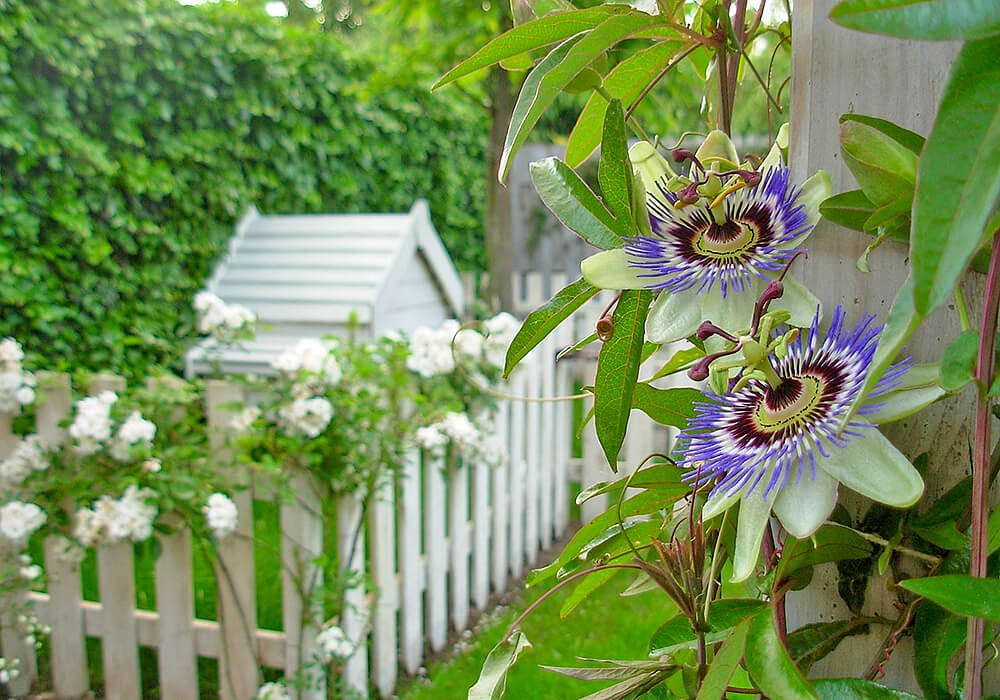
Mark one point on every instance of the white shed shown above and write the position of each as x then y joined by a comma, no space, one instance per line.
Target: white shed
305,275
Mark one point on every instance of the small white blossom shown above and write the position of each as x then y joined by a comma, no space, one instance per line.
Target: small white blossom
29,456
19,520
500,331
273,691
244,420
332,644
220,320
431,438
30,573
311,357
307,417
113,520
152,465
134,430
221,515
15,384
430,353
11,353
91,425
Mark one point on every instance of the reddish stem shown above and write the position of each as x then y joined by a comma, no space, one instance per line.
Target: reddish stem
981,466
779,596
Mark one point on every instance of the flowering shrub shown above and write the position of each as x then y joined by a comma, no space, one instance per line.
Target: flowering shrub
226,323
17,387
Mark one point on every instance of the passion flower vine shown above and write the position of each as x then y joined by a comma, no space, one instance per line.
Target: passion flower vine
795,425
716,237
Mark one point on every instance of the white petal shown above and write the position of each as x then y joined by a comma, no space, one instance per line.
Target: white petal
610,270
718,503
804,506
873,467
717,145
735,312
673,317
799,301
754,515
649,164
774,156
814,191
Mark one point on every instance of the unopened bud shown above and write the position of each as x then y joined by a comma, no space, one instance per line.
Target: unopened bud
681,154
699,372
751,177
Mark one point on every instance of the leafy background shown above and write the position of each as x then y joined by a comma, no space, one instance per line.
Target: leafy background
134,134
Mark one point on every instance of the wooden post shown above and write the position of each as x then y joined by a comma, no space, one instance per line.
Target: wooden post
834,71
411,617
354,616
302,613
234,568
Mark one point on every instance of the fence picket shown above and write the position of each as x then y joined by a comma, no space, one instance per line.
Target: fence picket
353,617
301,543
116,587
458,535
175,605
435,554
516,475
548,448
411,618
499,505
234,568
563,432
480,535
533,451
383,545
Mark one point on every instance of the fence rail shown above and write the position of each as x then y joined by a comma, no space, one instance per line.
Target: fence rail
436,541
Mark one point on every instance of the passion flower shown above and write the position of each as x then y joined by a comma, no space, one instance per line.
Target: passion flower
775,442
717,236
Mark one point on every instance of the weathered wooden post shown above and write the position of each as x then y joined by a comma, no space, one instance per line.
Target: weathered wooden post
834,71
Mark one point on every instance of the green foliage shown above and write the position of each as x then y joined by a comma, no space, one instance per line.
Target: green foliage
129,151
961,594
493,679
920,19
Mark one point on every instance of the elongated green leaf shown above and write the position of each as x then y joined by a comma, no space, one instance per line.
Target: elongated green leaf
492,681
920,19
544,320
910,139
531,35
724,664
625,81
615,170
617,371
958,181
678,361
575,204
857,689
960,594
937,636
662,477
676,633
556,70
848,209
959,360
810,643
587,586
768,662
885,169
667,406
831,542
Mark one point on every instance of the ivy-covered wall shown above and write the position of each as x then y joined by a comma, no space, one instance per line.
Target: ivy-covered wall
133,133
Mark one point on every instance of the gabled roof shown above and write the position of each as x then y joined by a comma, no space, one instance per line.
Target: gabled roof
318,268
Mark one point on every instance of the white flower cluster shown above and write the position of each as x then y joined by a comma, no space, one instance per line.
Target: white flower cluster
9,669
273,691
311,365
18,520
113,520
332,643
29,456
307,417
458,430
221,515
91,425
222,321
135,430
17,387
244,420
431,349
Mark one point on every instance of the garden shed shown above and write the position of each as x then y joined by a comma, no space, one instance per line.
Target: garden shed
308,276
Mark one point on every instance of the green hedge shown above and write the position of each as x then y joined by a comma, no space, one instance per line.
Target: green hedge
133,133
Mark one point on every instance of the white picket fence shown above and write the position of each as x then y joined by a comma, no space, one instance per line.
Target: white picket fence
436,542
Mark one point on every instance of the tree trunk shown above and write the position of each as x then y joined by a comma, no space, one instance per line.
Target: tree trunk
499,245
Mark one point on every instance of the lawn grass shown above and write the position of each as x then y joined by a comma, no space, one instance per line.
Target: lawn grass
605,625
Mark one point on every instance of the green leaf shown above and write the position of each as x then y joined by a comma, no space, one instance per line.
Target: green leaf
961,594
724,614
617,371
920,19
544,320
937,636
589,584
833,542
615,170
532,35
666,406
810,643
575,204
492,683
726,660
910,139
849,209
556,70
625,82
958,363
857,689
768,662
678,361
655,476
884,168
958,181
